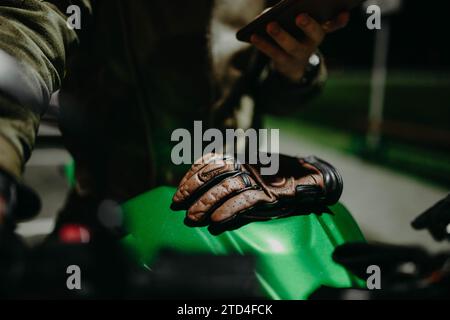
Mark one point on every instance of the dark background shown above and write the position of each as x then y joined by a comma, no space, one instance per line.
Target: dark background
416,125
419,39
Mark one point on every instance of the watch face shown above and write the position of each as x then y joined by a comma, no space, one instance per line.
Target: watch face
314,60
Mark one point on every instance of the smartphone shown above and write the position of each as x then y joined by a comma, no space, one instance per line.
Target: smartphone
286,12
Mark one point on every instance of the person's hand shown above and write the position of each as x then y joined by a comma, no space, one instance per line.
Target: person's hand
291,56
223,194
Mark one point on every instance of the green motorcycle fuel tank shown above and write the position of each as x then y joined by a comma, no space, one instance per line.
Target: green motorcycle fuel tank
293,255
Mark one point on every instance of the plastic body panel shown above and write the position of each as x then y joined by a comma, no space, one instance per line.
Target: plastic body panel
294,255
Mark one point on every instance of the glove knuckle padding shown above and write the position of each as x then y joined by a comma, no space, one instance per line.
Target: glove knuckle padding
215,195
204,172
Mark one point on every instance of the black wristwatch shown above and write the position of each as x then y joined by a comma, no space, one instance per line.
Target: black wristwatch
311,71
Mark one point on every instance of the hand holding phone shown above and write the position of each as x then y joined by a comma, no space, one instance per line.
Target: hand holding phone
290,56
286,12
291,32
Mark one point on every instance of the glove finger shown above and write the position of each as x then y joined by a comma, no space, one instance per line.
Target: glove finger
231,224
201,181
200,164
217,195
245,201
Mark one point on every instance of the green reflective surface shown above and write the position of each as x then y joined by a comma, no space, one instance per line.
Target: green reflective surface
293,254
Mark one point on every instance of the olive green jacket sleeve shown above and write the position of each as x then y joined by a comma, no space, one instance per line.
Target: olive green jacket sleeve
35,42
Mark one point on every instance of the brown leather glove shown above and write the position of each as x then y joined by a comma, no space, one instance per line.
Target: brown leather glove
226,195
219,192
